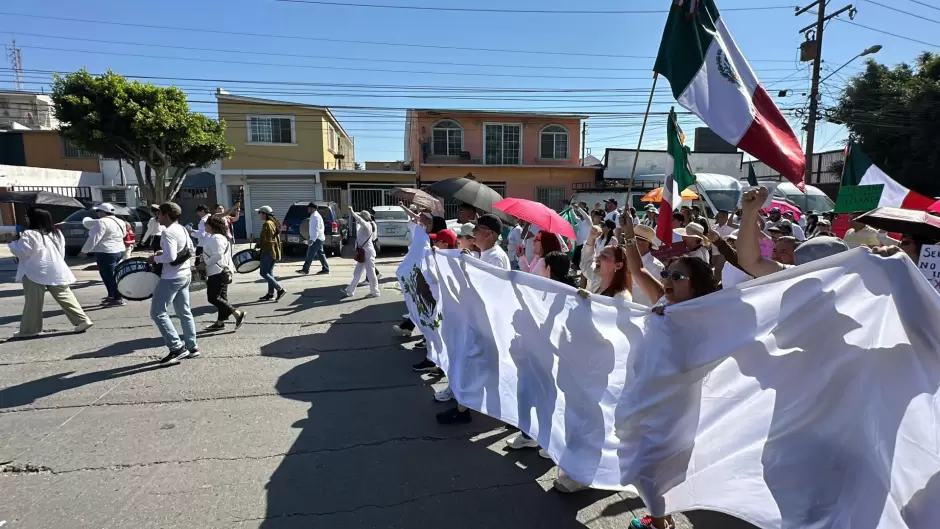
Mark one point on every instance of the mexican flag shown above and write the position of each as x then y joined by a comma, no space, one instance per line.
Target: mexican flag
678,177
859,171
711,78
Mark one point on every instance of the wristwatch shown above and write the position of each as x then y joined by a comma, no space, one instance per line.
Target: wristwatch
629,242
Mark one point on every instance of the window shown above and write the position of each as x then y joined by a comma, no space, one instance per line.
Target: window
503,144
332,139
553,143
553,197
271,129
71,151
448,138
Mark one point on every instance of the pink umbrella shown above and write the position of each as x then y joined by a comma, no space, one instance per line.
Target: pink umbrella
784,208
935,207
539,214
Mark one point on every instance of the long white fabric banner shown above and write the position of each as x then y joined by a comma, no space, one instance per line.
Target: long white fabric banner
807,399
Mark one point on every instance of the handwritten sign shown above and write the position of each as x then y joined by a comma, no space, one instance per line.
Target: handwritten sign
858,198
929,264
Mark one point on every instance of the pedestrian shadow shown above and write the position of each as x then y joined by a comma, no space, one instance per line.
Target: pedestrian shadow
371,454
47,314
121,348
29,392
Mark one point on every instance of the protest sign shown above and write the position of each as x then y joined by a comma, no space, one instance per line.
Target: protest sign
929,264
858,198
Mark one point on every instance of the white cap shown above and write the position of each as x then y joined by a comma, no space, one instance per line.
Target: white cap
265,209
107,207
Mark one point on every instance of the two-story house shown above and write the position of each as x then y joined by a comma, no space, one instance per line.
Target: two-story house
20,110
281,148
521,155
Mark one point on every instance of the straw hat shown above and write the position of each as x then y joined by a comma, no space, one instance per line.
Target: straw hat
646,233
693,231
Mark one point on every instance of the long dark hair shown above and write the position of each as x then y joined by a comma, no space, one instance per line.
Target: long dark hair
701,278
217,224
559,265
611,227
437,224
41,220
272,218
622,279
549,242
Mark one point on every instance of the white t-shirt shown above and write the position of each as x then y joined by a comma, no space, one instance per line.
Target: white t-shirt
724,231
175,240
798,231
614,216
106,236
496,257
654,266
216,254
514,242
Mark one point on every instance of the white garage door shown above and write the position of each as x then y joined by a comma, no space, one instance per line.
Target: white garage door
280,195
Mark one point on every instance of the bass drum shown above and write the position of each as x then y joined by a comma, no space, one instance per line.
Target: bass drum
136,279
246,261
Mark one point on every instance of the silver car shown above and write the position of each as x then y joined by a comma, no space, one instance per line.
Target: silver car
76,233
393,224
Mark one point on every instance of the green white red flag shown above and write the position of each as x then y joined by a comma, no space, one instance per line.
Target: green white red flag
678,177
860,171
710,77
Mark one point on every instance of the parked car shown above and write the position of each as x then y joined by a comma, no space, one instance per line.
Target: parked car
76,234
392,223
334,226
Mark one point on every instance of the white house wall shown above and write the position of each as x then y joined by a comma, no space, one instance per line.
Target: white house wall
15,175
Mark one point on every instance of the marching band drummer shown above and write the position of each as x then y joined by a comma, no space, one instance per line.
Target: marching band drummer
217,263
106,240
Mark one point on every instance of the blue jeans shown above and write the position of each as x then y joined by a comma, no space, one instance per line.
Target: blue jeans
315,251
267,272
175,291
107,262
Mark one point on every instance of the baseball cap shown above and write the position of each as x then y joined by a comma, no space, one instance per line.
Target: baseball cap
448,237
612,201
466,230
173,206
491,222
107,207
784,227
265,209
775,209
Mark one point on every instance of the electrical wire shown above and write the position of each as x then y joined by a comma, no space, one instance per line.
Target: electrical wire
924,4
908,13
883,32
517,11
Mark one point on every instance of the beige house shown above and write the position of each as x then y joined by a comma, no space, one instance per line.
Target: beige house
280,150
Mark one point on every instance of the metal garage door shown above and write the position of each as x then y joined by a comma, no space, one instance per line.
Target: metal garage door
280,195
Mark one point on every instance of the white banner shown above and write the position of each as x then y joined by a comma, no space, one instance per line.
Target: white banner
805,399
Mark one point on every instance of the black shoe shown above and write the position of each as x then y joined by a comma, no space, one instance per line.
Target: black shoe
454,416
304,272
280,294
217,326
323,273
423,366
175,356
423,344
239,319
266,297
438,372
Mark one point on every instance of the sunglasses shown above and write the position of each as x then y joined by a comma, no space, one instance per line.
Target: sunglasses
674,275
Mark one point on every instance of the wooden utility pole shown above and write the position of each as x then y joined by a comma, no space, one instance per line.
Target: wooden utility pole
816,41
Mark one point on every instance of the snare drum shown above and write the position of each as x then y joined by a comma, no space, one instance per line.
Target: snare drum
136,279
246,261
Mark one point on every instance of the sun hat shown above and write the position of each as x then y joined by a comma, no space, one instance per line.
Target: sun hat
268,210
693,231
642,231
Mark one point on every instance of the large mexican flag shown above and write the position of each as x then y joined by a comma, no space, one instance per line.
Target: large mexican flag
678,177
859,171
710,77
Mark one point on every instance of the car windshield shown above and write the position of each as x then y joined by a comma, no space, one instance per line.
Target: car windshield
296,212
326,213
79,215
391,215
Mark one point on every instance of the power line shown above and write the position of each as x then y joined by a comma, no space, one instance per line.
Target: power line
883,32
924,4
517,11
915,15
242,34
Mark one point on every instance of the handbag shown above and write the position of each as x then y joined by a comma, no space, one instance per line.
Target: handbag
360,255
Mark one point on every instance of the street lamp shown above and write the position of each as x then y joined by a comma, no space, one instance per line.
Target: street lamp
869,51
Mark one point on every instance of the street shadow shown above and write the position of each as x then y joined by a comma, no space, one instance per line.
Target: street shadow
370,453
29,392
121,348
309,298
47,314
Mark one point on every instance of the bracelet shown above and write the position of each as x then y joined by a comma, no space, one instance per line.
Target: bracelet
629,242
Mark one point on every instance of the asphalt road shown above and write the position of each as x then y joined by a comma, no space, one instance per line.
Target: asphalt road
308,417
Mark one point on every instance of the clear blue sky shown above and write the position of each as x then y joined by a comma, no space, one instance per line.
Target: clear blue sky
614,53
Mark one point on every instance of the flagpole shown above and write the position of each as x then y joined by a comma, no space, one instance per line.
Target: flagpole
636,157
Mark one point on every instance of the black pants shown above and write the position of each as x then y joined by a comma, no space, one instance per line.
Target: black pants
407,324
217,292
576,260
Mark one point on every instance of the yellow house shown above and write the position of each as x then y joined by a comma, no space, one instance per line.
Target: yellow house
280,150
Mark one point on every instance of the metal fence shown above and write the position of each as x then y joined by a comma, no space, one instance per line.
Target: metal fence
82,193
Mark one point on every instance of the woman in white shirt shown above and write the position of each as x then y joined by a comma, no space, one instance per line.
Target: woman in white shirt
364,235
217,262
154,230
41,253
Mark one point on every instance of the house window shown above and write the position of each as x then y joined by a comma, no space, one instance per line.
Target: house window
448,138
71,151
332,139
271,129
503,144
551,196
553,143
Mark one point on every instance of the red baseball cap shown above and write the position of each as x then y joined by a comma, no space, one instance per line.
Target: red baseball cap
447,237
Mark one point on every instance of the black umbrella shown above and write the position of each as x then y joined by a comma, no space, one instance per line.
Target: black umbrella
469,192
906,221
41,198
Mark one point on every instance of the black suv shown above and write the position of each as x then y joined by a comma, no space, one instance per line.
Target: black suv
334,226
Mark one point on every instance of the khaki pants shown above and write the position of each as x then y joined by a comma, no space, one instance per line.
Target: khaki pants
34,293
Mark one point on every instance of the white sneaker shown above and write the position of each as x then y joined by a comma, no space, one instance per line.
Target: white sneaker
82,327
444,395
371,295
23,335
520,441
543,454
405,333
564,483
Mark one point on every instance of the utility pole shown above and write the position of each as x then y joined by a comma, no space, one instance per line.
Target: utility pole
583,136
16,62
813,46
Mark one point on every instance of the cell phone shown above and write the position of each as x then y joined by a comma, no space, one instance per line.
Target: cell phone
189,225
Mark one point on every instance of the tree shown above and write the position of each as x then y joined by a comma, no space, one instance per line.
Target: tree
893,114
141,124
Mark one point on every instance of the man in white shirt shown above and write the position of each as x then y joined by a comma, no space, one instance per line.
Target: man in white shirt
514,242
315,244
610,206
106,241
197,234
646,242
175,257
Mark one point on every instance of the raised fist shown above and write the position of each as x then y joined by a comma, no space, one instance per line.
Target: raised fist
753,199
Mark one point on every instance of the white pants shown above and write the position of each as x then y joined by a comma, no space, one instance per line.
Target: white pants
369,267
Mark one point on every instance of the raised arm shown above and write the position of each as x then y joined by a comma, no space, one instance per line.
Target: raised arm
649,284
411,214
749,257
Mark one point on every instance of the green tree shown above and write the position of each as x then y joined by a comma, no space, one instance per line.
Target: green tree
894,114
140,123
